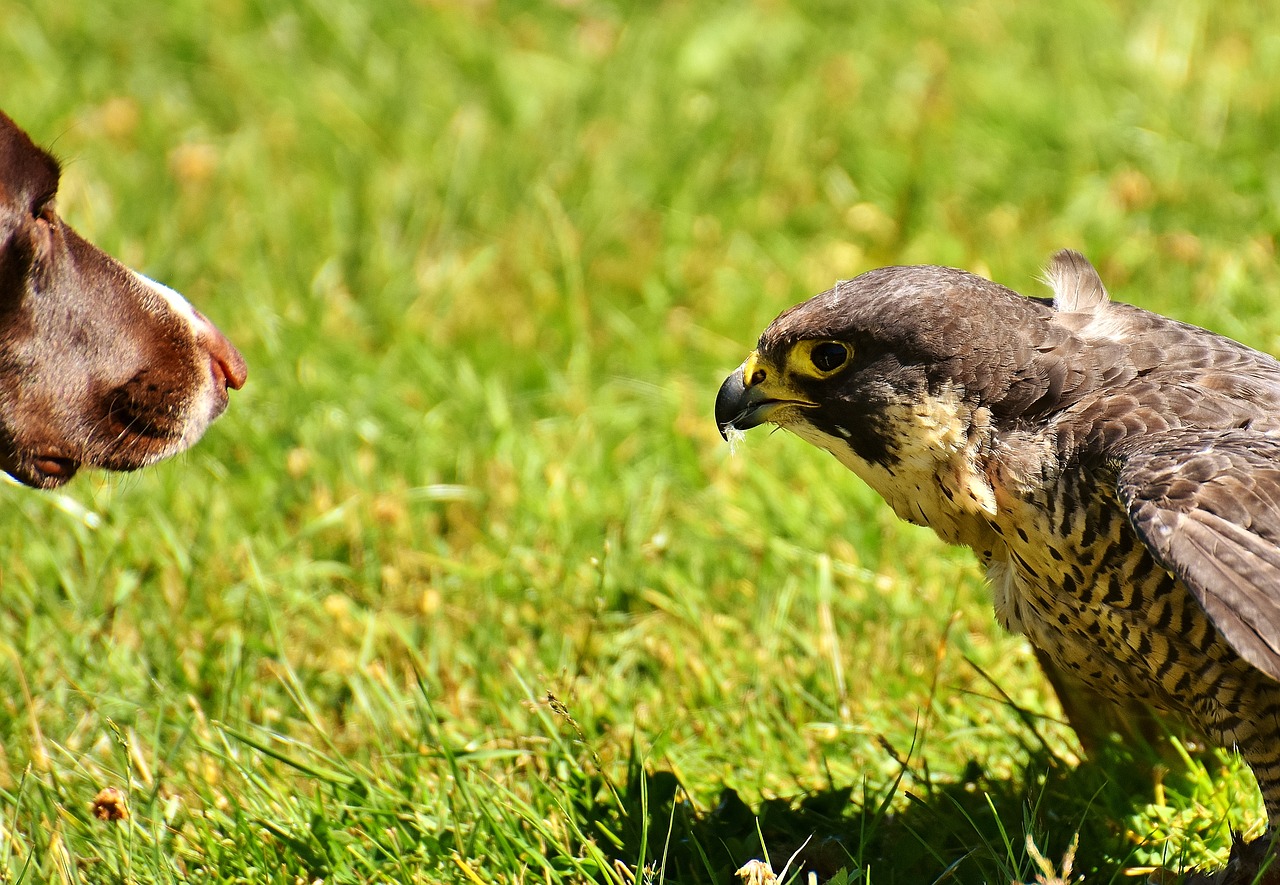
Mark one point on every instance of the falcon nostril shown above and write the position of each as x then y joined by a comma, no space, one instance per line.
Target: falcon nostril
757,376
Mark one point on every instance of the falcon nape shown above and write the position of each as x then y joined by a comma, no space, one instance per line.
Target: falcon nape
1117,473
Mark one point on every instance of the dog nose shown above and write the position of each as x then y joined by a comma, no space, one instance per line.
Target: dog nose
227,361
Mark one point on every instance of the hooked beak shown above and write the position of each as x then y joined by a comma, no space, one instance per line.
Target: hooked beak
743,402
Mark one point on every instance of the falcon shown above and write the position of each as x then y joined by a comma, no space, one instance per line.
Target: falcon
1117,473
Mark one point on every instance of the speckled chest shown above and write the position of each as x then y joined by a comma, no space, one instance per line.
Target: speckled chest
1074,577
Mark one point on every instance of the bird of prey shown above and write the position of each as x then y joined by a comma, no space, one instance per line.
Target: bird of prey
1117,473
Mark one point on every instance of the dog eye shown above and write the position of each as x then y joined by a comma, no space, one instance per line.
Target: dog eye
45,211
829,356
44,219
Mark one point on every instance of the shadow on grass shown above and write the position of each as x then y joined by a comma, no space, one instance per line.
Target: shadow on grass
972,828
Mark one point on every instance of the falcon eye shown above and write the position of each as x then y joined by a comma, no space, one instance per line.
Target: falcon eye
829,356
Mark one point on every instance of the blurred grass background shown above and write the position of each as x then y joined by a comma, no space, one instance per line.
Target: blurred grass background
465,587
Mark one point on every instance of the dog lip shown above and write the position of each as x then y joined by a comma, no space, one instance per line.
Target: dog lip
132,419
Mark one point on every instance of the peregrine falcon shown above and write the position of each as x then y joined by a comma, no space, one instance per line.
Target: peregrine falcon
1116,472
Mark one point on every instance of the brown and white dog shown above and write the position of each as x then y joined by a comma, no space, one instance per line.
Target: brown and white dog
99,365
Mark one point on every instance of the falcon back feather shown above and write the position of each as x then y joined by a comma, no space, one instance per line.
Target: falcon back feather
1077,288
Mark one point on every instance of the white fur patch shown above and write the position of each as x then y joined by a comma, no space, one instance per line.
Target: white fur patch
181,306
205,399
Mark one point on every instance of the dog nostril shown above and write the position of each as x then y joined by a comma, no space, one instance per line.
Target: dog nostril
225,374
228,365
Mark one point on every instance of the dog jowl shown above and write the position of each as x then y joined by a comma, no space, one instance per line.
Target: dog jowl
99,366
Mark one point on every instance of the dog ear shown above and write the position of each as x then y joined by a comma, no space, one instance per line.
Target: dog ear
16,252
28,223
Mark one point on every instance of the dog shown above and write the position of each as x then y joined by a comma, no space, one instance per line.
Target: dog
99,365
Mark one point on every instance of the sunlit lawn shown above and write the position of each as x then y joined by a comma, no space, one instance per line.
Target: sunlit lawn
466,587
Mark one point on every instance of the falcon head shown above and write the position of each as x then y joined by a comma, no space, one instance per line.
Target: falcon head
890,357
861,366
906,375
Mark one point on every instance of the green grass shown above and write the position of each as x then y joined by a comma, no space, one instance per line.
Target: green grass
489,262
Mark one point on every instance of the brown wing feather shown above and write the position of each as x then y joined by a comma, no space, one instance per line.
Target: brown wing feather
1207,505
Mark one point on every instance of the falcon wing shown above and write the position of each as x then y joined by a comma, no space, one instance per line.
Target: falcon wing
1207,505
